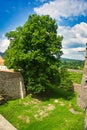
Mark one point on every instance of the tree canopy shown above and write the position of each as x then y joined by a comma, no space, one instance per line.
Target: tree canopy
35,48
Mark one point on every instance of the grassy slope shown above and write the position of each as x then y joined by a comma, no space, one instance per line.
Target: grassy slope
76,76
49,112
52,113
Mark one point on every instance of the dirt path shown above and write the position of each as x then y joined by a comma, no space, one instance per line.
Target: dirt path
75,70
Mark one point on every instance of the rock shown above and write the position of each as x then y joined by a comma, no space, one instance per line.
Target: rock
73,111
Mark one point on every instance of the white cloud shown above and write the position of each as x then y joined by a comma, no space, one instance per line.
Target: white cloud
4,43
74,40
63,8
74,37
73,53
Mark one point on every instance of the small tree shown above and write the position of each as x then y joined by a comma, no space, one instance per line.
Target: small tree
36,49
66,82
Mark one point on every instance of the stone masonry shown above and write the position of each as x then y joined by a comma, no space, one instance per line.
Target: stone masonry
11,84
82,96
5,125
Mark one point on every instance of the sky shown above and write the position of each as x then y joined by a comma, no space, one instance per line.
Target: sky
70,15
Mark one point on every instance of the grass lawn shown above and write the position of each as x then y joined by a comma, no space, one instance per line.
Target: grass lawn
76,76
56,110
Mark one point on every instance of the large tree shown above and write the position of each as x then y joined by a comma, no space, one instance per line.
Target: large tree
35,48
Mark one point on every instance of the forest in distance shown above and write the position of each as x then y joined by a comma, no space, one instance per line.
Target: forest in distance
72,64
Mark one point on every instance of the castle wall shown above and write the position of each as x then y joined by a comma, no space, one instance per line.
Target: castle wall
11,84
82,96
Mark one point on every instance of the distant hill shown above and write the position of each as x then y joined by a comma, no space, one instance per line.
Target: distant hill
71,59
72,64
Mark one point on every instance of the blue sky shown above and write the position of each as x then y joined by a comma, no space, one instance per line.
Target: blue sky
70,15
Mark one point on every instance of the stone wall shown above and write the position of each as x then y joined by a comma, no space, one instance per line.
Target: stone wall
11,84
5,125
82,95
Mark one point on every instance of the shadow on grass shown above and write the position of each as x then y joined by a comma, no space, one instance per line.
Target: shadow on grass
54,93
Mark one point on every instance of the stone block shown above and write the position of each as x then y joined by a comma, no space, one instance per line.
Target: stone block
5,125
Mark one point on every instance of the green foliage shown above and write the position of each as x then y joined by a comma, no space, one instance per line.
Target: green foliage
66,82
50,114
76,77
35,48
72,64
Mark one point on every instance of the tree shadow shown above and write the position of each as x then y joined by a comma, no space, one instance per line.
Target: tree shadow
54,93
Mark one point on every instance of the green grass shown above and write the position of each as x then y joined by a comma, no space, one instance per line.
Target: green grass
44,112
76,77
